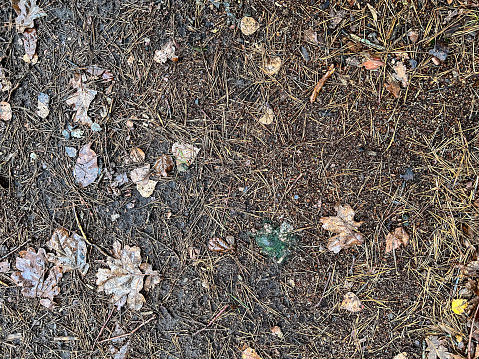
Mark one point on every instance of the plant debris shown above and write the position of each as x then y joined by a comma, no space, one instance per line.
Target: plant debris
276,242
81,100
5,111
396,238
272,65
140,175
184,154
137,155
5,84
393,87
4,266
43,101
400,73
124,278
248,25
167,52
268,116
436,348
277,331
458,306
120,345
71,251
311,36
27,11
345,226
321,83
163,165
249,353
221,245
147,189
336,17
86,167
32,269
352,303
373,64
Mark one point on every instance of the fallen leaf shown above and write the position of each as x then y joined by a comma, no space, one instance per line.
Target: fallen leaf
43,101
4,266
436,349
163,165
393,87
249,353
268,116
70,251
118,347
321,83
458,306
402,355
32,269
221,245
5,84
345,226
167,52
30,42
400,73
277,331
372,64
86,167
81,100
413,36
311,36
248,25
27,11
336,17
71,151
124,278
472,269
140,175
146,190
137,155
439,52
5,111
272,65
184,154
352,303
373,12
396,238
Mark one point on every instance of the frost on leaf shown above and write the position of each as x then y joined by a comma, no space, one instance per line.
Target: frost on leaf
32,269
167,52
345,226
81,100
436,349
396,238
184,154
27,11
86,167
124,278
351,303
71,251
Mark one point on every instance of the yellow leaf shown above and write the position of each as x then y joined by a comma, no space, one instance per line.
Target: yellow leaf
459,305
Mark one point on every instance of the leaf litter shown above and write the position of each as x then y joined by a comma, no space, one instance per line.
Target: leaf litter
400,73
71,251
163,165
397,238
351,303
248,25
268,115
436,349
272,65
86,167
184,154
167,52
5,111
124,278
249,353
81,99
321,83
221,245
343,224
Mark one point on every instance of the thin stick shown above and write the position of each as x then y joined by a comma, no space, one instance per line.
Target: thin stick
85,237
470,333
103,327
324,291
212,320
130,333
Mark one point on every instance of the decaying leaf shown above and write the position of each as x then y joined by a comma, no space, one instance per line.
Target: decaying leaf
352,303
345,226
396,238
436,348
167,52
119,345
70,251
81,100
140,175
458,306
400,73
393,87
5,111
268,115
311,36
124,278
372,64
147,189
413,36
43,101
272,65
248,25
30,43
221,245
4,266
321,83
336,17
27,11
249,353
277,331
184,154
5,84
402,355
86,167
137,155
163,165
32,269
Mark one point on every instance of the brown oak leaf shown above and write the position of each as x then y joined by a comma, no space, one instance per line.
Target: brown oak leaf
86,167
345,226
81,100
71,251
27,11
32,269
396,238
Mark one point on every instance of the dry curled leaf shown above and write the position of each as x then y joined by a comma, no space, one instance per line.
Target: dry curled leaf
351,303
147,189
124,277
400,73
249,353
30,43
221,245
345,226
248,25
167,52
268,116
70,251
184,154
396,238
272,65
81,100
393,87
5,111
27,11
86,167
140,175
31,275
372,64
137,155
321,83
163,165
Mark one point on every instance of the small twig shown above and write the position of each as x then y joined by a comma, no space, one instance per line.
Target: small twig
85,237
470,333
103,327
130,333
324,291
212,320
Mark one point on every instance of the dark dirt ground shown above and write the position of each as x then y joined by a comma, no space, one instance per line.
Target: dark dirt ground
351,145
